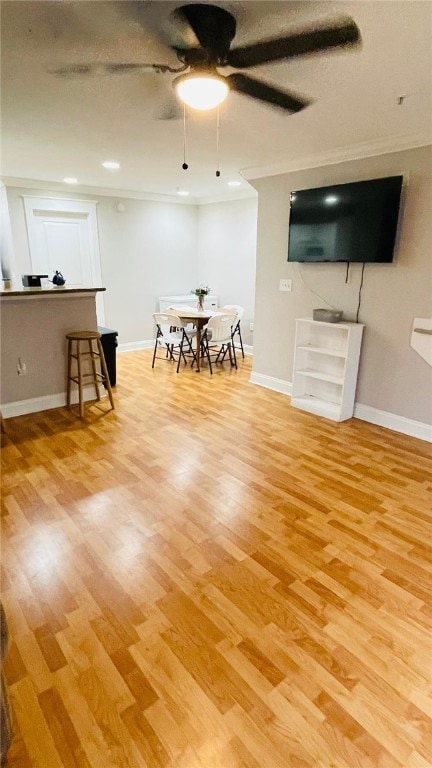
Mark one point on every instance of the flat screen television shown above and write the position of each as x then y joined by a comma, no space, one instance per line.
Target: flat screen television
345,222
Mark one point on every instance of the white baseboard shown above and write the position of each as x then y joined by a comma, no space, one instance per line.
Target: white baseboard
385,419
45,403
270,382
418,429
392,421
134,346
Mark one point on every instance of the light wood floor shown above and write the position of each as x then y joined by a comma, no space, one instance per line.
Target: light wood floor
208,578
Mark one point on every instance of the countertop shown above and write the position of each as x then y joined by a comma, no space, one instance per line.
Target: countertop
54,291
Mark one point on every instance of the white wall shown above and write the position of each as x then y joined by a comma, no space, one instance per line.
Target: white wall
148,250
151,249
392,377
6,246
227,254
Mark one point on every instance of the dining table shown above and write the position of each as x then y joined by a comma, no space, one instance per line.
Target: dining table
199,318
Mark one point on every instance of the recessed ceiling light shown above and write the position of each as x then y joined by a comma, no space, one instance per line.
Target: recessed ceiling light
112,165
183,192
330,199
70,180
234,183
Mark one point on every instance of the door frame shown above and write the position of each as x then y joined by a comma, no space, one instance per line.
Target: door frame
87,208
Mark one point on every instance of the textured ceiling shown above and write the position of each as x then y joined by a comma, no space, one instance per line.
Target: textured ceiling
54,127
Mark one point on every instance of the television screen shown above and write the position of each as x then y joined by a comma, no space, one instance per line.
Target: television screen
345,222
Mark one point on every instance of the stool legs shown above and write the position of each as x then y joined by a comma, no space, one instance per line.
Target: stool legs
93,363
69,373
80,381
94,377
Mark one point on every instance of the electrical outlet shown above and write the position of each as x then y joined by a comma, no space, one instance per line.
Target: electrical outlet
251,326
285,285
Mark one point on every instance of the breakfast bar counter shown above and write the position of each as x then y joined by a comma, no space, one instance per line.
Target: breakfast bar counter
34,323
54,292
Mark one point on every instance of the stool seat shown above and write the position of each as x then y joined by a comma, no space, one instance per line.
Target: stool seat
83,335
76,352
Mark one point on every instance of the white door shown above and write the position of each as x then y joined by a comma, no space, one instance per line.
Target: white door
63,236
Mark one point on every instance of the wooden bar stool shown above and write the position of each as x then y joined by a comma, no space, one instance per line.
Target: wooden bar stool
84,350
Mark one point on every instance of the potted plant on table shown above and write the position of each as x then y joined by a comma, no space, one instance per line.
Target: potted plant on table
200,292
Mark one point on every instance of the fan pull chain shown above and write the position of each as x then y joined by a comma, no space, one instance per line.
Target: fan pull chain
185,165
217,142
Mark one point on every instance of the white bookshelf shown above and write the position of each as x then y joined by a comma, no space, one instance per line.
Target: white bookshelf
325,368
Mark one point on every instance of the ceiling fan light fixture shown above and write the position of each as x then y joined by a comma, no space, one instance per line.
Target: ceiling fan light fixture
201,90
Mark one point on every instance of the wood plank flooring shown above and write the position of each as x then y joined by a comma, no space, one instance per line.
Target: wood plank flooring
208,578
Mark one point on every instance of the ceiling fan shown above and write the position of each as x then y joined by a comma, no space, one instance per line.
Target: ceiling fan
201,34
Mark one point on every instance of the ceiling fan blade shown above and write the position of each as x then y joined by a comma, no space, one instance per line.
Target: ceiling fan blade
212,27
126,69
340,34
112,68
264,92
73,70
167,106
170,110
180,31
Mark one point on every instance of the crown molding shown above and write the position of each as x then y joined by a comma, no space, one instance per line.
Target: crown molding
71,190
130,194
342,154
358,151
244,194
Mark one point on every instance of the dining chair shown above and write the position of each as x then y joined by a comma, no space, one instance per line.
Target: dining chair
176,343
236,327
229,310
216,340
190,330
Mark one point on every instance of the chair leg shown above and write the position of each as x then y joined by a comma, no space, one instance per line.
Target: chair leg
154,352
241,340
180,354
191,351
200,352
206,351
228,349
230,354
232,348
181,351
